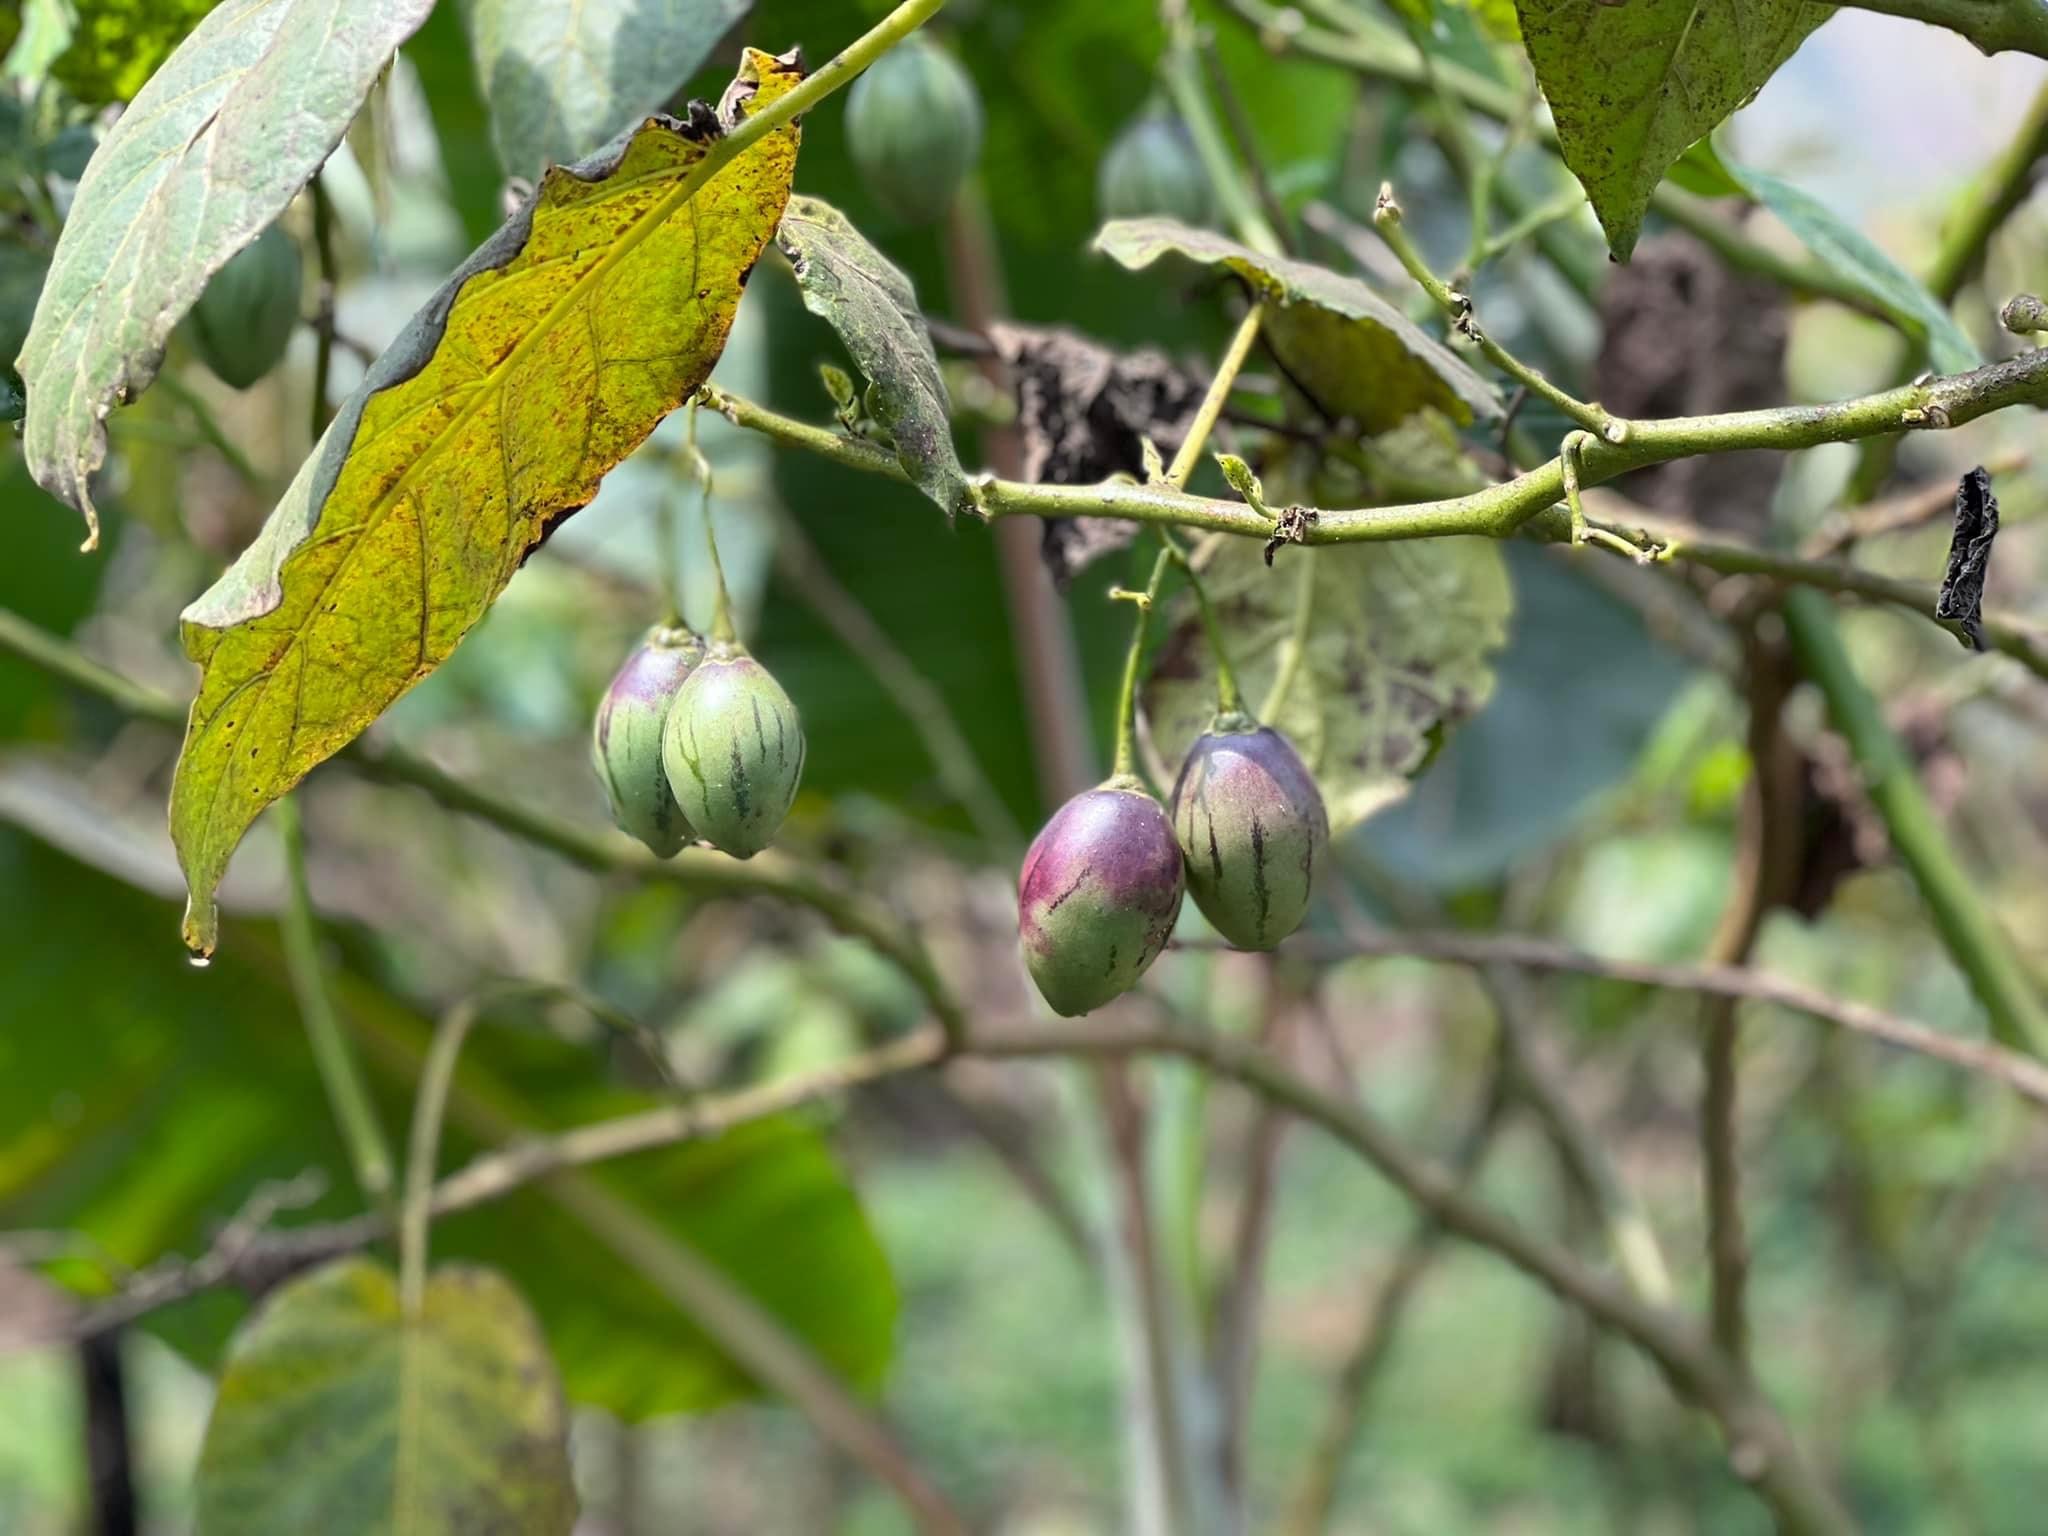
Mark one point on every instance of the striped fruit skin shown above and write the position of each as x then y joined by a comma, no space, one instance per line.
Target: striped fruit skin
913,127
1250,823
1099,893
625,741
1153,171
734,750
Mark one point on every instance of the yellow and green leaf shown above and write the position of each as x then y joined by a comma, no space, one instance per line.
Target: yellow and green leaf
547,358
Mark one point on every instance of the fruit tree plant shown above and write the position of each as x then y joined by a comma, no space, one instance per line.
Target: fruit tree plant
1291,533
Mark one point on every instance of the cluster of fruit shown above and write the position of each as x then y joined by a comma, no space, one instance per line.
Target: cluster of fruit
1102,885
695,740
914,127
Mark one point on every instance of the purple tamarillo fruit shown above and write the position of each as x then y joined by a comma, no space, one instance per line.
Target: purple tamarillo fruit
1251,825
1098,896
625,741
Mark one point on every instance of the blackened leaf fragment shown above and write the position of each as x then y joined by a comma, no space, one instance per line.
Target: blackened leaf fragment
1085,413
1969,557
873,307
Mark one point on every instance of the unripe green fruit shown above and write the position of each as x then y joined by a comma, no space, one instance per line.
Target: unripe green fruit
913,126
1154,171
734,751
1251,825
1098,896
625,742
244,320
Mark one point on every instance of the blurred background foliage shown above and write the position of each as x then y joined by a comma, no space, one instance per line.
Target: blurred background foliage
1899,1240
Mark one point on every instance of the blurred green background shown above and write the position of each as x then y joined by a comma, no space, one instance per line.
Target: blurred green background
1895,1212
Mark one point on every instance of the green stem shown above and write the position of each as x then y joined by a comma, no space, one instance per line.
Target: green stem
1381,53
693,870
1457,308
1965,237
1181,72
1229,700
1993,26
722,628
1297,642
214,434
1523,503
1967,926
1126,761
429,1108
1211,409
341,1074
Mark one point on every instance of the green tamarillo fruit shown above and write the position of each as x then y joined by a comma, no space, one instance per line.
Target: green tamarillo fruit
1251,825
625,742
913,127
733,748
1098,896
1152,170
244,320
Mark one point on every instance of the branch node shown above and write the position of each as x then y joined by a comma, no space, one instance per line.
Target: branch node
1290,526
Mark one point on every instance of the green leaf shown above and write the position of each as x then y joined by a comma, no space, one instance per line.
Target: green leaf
1397,649
1631,86
1356,355
548,356
207,156
340,1416
1702,172
873,307
116,45
563,76
179,1091
1854,255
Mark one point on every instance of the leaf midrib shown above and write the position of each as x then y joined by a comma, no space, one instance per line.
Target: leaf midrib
492,386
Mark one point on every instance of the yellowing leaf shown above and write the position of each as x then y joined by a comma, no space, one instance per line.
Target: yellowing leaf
547,358
340,1416
1350,350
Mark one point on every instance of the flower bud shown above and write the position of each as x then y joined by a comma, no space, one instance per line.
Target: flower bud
734,750
625,744
1098,896
1251,825
1153,171
913,127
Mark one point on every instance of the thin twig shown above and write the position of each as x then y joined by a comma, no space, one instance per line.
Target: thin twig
341,1074
1316,1496
959,769
2008,1068
1849,526
693,870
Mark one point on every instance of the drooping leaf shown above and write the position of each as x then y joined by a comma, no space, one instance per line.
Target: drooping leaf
1396,649
1632,86
548,356
181,1091
873,307
116,45
207,156
1854,255
1355,354
563,76
340,1416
